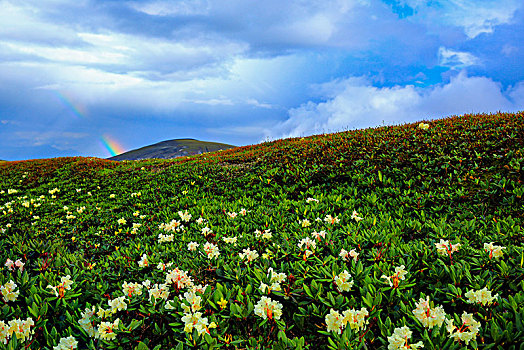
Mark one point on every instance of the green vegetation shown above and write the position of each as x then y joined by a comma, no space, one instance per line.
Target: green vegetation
361,239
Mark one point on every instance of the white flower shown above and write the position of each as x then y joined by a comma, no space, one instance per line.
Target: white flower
467,331
192,246
423,126
232,215
335,321
399,340
355,216
143,261
309,200
211,250
248,254
307,243
428,316
184,216
230,240
445,248
399,275
495,251
331,220
117,304
68,343
343,281
267,308
106,330
482,296
318,235
8,291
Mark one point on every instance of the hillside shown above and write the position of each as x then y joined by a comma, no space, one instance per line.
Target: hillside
172,149
370,239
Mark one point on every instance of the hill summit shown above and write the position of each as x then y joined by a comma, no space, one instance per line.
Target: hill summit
172,149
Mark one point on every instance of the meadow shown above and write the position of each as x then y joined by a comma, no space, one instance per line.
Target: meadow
396,237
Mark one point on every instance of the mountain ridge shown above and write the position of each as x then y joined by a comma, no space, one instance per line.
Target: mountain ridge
169,149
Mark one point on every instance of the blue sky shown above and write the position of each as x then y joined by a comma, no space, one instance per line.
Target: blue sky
75,73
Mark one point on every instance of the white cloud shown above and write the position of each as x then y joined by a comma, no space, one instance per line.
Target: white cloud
474,16
456,59
356,103
170,8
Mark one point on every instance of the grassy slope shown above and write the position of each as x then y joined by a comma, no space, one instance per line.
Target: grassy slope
460,180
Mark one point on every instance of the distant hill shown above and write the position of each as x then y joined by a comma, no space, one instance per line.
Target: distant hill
172,149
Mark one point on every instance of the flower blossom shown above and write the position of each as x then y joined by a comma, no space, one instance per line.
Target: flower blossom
179,279
345,255
355,216
143,261
343,281
106,330
192,246
495,251
248,254
399,340
211,250
131,289
331,220
482,296
423,126
267,308
467,331
117,304
232,215
184,216
399,275
68,343
230,240
428,316
356,319
197,322
65,284
21,329
445,248
8,291
317,235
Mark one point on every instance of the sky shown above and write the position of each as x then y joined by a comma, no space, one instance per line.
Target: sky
99,77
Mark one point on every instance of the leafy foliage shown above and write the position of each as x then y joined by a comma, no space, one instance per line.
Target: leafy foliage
389,195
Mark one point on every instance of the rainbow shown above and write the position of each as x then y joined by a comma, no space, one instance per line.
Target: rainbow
77,110
111,145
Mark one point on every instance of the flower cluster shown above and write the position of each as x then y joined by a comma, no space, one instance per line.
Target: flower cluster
211,250
131,289
248,254
21,329
495,251
445,248
106,330
67,343
423,126
265,234
268,309
399,275
184,216
331,219
319,235
172,226
65,284
274,279
399,340
427,315
345,255
467,331
308,245
343,281
482,296
356,319
8,291
11,265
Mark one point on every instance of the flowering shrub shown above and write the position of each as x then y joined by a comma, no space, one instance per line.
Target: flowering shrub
326,242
